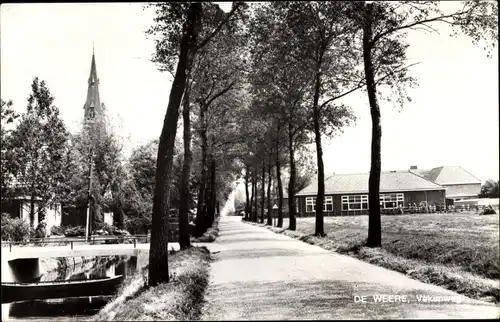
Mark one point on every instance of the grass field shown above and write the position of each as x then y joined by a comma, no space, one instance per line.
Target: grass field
457,251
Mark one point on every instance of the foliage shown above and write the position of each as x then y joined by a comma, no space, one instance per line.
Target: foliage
490,189
39,231
8,116
488,211
57,231
98,145
136,198
14,229
37,148
77,231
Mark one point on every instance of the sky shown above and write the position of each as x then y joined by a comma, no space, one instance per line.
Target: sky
452,119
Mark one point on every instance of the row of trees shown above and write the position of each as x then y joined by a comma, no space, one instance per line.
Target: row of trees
264,80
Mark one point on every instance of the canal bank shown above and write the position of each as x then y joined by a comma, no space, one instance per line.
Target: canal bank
66,305
180,299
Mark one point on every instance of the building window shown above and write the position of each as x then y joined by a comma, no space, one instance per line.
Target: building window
311,204
392,200
359,202
328,204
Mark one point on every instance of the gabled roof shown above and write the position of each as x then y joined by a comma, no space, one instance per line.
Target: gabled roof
447,175
392,181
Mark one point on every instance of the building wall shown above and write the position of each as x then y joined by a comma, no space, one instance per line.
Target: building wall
53,216
25,212
433,197
471,190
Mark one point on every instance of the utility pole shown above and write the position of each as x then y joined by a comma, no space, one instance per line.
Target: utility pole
89,198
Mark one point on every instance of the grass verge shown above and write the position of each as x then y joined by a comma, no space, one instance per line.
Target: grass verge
179,300
462,279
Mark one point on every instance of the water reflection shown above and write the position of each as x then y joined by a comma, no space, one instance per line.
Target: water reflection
66,305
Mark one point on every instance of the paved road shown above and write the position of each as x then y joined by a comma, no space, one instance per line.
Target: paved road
260,275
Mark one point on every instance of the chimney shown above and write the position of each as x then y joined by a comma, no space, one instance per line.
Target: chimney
413,167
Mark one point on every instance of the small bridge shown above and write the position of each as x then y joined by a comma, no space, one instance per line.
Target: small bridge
16,258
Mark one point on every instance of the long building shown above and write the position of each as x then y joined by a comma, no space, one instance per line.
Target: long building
347,194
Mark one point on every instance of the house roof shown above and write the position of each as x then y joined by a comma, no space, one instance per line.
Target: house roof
358,183
447,175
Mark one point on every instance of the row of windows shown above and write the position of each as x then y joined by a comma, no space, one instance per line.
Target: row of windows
357,202
311,204
360,202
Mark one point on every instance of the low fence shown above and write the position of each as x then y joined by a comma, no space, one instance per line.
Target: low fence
92,240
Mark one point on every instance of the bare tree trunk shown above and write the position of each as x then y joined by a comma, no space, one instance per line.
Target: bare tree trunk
201,214
269,198
280,184
374,221
247,195
184,241
291,184
158,253
252,182
211,206
319,158
255,207
263,192
32,208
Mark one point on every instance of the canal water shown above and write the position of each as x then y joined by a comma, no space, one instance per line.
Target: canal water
69,308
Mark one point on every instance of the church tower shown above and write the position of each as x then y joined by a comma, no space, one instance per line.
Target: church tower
93,108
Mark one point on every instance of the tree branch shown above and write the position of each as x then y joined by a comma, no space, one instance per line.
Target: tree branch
222,92
219,27
421,22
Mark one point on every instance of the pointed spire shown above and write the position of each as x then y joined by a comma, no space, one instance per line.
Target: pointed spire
92,105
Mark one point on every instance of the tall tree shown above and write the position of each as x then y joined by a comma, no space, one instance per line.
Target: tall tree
384,27
490,189
269,196
180,24
184,240
8,116
37,148
321,31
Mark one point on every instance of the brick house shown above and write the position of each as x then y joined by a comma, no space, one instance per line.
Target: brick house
347,194
459,183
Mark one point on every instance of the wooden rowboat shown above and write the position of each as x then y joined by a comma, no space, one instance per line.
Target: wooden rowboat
12,292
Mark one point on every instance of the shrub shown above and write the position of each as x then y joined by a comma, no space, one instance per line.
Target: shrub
39,231
57,230
74,231
121,232
488,211
14,229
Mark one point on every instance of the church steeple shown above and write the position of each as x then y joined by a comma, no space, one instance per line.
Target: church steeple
92,106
